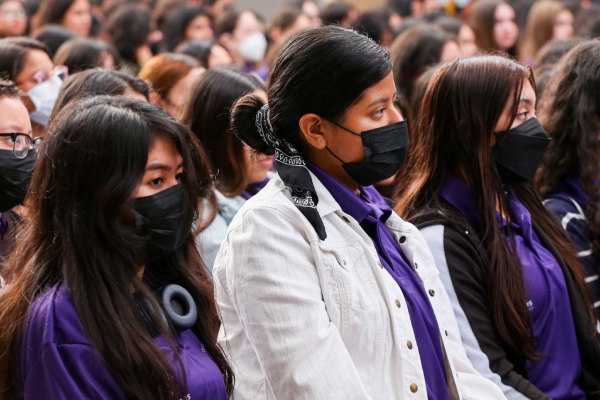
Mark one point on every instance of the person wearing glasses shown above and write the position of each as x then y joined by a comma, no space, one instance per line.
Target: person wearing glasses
17,159
27,63
13,19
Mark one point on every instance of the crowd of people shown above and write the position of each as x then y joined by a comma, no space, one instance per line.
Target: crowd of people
200,203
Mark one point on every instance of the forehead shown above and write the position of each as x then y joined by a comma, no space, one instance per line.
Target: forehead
13,116
11,5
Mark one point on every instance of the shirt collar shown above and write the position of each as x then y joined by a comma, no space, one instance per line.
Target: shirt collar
349,202
461,197
570,186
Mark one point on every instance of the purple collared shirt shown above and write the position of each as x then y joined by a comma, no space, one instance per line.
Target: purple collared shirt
371,211
558,372
254,188
55,359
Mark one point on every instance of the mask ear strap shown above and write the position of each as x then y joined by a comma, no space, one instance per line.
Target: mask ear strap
331,152
346,129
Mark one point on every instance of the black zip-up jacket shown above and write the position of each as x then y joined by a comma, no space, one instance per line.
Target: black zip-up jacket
462,262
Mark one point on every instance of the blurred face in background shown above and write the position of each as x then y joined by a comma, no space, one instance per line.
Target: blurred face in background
466,41
219,57
199,29
78,18
312,11
174,98
13,20
450,52
506,31
563,25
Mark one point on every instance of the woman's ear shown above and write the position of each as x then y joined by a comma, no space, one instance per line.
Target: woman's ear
315,130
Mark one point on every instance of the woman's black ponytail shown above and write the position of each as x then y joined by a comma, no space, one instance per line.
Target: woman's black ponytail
243,123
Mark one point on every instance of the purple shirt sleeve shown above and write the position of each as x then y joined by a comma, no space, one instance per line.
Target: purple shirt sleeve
69,371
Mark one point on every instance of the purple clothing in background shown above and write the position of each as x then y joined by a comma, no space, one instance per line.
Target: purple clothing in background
371,211
254,188
558,372
570,186
55,359
3,226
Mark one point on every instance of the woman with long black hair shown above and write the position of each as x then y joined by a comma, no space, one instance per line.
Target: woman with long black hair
515,283
568,177
106,295
324,292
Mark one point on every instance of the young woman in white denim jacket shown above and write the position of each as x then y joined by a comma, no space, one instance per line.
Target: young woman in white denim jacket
323,291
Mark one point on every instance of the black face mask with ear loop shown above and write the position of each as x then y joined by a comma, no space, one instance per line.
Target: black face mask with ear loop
15,176
165,218
385,151
521,151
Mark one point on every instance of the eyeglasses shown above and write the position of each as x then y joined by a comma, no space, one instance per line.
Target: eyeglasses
42,75
13,14
22,143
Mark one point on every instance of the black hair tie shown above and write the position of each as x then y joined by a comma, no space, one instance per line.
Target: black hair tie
293,172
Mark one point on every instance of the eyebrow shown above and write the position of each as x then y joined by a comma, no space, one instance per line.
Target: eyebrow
381,100
160,167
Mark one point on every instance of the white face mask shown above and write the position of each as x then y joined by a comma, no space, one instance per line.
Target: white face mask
43,96
253,48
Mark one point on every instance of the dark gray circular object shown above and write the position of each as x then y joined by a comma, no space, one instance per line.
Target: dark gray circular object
179,307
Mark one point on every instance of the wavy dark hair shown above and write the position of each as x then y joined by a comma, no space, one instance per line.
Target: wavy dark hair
93,159
569,111
206,113
462,106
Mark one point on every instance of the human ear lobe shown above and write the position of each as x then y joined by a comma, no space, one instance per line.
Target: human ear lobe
313,130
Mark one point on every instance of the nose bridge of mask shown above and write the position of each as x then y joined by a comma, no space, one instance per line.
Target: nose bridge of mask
384,139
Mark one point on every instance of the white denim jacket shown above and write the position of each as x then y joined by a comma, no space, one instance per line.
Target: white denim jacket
322,320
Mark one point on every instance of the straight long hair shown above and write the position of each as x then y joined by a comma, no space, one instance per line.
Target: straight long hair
462,106
569,110
206,112
92,160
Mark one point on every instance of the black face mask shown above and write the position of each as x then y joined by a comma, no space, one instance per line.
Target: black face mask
519,154
15,176
166,218
385,151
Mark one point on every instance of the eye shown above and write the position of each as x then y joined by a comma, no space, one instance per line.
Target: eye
155,182
180,176
522,115
379,112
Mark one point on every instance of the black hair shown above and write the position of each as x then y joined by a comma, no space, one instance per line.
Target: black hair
177,22
450,25
206,112
199,49
97,82
407,24
413,52
371,25
128,29
80,54
13,52
93,159
53,36
322,71
335,13
402,7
